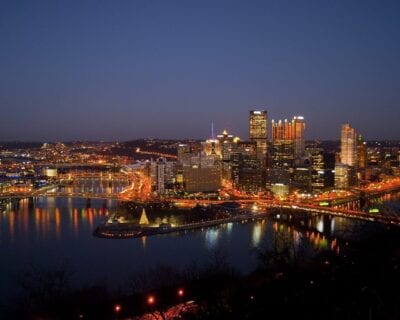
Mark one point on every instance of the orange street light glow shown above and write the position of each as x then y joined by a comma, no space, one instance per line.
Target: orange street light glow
117,308
151,300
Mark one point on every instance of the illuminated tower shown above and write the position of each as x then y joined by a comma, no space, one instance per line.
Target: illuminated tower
288,141
361,157
226,142
361,152
345,171
212,146
258,133
298,127
282,143
348,146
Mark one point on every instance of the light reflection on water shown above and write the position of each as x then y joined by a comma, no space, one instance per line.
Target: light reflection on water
211,237
257,233
93,186
320,226
51,230
56,219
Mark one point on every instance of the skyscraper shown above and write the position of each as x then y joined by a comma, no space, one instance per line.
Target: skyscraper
282,143
247,174
202,174
317,165
361,152
258,133
226,142
298,126
345,173
212,146
348,146
287,141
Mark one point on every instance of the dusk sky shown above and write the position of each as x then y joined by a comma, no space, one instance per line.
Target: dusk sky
120,70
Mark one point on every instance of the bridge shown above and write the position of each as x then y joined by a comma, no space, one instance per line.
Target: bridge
79,165
344,213
83,195
338,212
139,191
297,206
373,190
156,153
102,176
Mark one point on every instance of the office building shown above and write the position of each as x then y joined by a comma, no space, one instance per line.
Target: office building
258,133
345,176
228,146
298,126
348,146
361,152
247,171
162,175
287,142
317,166
201,174
226,143
282,144
345,170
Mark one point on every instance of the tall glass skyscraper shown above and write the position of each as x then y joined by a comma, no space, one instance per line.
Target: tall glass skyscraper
345,171
348,145
258,133
298,126
290,134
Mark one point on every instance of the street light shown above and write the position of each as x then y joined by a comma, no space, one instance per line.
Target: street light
151,300
117,308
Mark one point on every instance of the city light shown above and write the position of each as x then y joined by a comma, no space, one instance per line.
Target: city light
199,160
117,308
151,300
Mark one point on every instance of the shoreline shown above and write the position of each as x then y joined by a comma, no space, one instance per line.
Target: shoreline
129,231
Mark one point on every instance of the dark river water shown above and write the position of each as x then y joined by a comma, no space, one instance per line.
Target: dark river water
54,231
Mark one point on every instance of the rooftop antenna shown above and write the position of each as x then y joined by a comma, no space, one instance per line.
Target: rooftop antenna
212,130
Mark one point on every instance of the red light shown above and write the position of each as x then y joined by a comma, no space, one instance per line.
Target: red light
117,308
181,292
151,300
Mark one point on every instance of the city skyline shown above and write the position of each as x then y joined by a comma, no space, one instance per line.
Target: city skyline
271,123
106,71
206,159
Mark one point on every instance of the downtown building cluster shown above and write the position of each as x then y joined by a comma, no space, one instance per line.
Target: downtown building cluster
275,160
261,164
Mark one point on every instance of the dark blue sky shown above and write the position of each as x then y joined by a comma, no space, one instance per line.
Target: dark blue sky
118,70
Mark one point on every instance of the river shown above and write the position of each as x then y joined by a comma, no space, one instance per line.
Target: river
54,231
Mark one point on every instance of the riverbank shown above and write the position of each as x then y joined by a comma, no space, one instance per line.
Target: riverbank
126,230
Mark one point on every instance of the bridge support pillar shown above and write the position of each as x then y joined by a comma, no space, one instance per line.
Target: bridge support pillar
31,202
15,203
327,222
363,200
88,203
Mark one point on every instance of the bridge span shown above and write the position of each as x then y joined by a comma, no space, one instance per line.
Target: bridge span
261,204
349,214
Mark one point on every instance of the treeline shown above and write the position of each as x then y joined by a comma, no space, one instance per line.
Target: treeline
359,283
